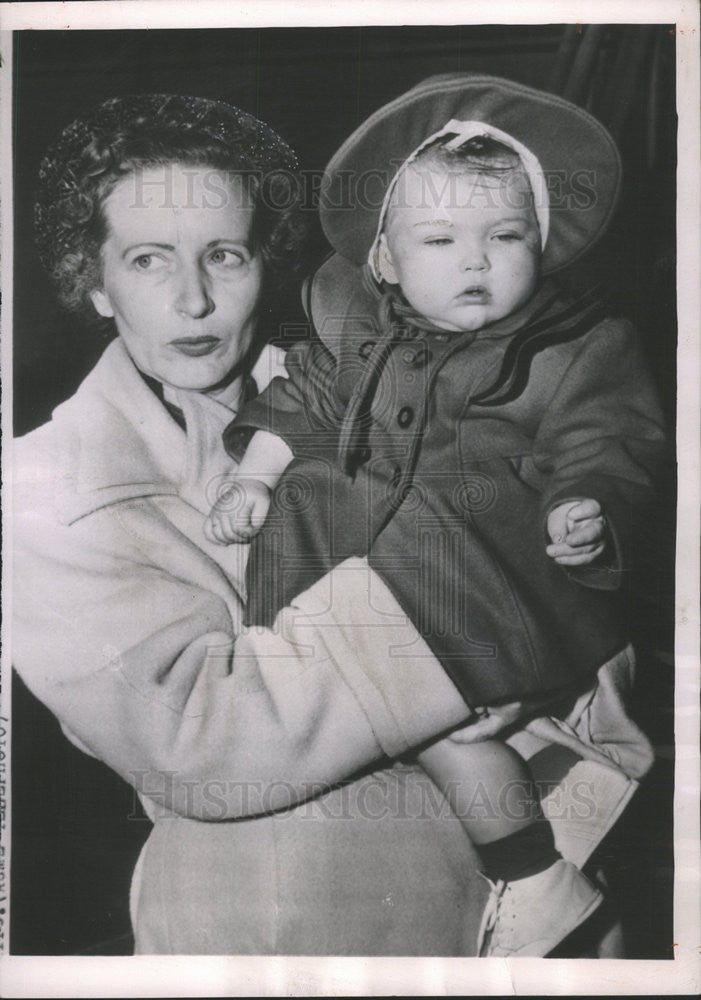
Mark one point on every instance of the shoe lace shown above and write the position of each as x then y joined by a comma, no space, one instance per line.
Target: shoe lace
490,915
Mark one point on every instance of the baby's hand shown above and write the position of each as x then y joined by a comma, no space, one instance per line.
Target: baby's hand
239,512
577,532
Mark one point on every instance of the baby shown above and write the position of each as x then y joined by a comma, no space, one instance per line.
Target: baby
459,249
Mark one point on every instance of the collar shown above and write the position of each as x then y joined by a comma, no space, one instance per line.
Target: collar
119,442
559,321
249,391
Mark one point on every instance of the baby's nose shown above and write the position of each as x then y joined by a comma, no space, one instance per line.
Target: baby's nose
474,258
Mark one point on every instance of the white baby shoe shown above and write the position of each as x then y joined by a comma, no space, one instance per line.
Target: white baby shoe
530,916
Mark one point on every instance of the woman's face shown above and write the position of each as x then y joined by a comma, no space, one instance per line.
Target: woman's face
181,273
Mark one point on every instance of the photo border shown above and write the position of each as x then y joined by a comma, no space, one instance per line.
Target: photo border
175,976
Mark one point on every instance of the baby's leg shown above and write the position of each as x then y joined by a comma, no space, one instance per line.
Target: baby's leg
491,790
537,897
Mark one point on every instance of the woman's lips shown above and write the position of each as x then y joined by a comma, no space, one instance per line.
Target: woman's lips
195,347
476,295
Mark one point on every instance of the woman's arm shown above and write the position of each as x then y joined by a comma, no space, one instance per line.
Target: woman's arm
125,632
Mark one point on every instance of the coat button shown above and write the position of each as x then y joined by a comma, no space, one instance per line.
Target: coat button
423,356
417,357
405,416
365,350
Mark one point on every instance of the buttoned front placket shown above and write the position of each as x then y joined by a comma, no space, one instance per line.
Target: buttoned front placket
411,371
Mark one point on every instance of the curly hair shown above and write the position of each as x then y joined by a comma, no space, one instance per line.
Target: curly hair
124,134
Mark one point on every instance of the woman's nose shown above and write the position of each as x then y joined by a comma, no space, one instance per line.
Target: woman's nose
193,298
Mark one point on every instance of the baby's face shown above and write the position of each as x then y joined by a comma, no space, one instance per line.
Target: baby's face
464,248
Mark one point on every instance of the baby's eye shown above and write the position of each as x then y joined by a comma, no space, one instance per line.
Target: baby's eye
508,237
222,257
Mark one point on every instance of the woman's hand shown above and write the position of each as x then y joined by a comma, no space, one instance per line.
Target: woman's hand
239,513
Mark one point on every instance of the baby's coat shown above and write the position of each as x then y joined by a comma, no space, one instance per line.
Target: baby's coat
464,550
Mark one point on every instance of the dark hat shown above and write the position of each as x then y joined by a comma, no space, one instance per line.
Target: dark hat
577,156
142,126
132,130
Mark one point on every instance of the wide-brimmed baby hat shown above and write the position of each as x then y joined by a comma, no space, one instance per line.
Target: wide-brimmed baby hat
571,160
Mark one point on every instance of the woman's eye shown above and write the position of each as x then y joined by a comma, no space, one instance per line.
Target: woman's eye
226,258
438,241
148,262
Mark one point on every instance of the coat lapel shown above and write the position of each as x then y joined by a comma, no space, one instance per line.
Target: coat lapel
123,443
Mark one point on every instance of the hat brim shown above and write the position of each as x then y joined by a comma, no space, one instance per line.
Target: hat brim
576,153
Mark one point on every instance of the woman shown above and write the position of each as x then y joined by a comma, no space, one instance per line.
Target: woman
176,218
252,749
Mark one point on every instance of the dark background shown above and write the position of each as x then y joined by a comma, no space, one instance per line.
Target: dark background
76,827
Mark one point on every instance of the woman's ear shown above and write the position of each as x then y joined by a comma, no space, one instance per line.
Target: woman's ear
102,303
385,264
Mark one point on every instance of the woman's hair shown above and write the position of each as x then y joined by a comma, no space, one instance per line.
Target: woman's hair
124,134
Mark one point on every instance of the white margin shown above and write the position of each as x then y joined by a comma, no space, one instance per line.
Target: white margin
6,316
